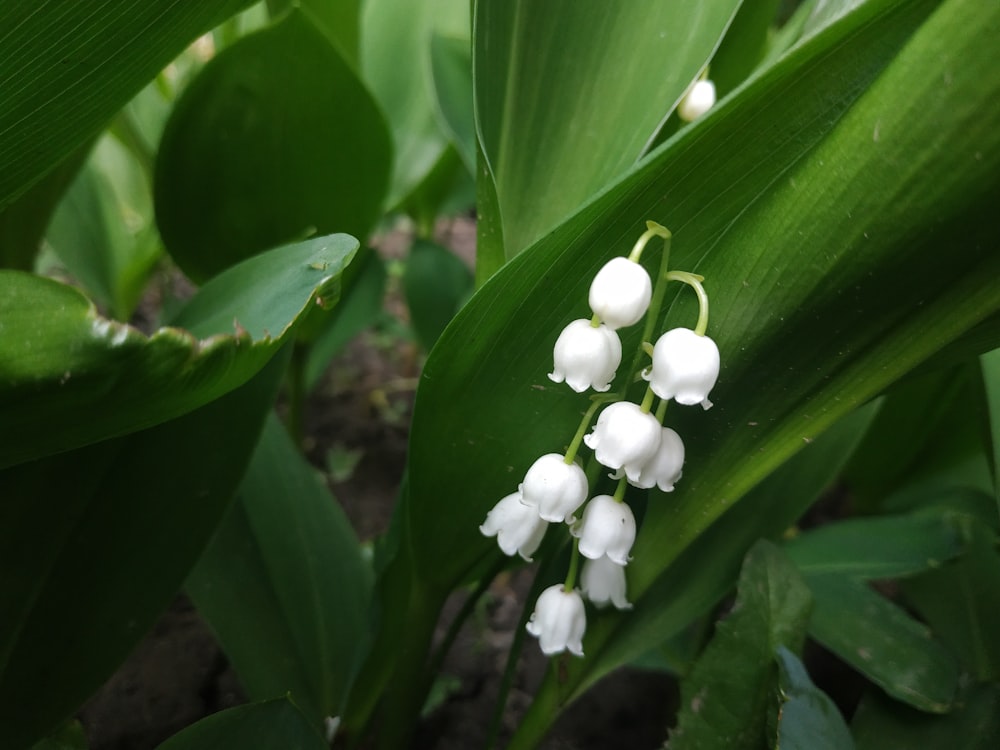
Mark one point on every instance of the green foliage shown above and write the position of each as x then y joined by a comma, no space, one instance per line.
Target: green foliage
726,699
258,726
437,284
275,140
807,719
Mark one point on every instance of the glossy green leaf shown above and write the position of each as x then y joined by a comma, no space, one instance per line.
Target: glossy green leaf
451,66
88,378
990,364
781,199
883,547
744,45
259,726
881,723
807,719
95,542
103,229
882,641
569,93
340,21
961,602
106,52
396,65
436,283
283,583
725,699
275,140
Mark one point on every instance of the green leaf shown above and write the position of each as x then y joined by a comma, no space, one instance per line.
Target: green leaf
395,63
103,228
881,723
436,283
95,542
725,700
884,547
568,95
69,736
990,364
744,45
285,570
881,641
275,140
105,52
961,602
258,726
808,719
88,378
451,67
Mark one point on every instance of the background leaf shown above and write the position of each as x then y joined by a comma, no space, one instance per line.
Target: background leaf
88,378
539,69
808,720
107,52
285,570
258,726
94,543
275,140
436,283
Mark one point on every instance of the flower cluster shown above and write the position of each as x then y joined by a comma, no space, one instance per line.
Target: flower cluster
629,439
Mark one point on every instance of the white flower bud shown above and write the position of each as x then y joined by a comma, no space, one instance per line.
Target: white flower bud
586,357
624,438
620,293
664,468
516,526
685,367
603,581
607,528
559,621
697,101
554,488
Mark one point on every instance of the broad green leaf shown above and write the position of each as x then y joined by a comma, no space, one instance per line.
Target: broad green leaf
569,93
258,726
744,45
807,719
489,222
95,542
339,20
990,364
883,547
436,283
961,602
275,140
396,65
726,698
88,378
881,723
69,736
103,228
105,51
880,640
283,583
781,198
451,66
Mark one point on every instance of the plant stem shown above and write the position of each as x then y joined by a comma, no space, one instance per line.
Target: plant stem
619,496
659,290
574,563
694,281
588,415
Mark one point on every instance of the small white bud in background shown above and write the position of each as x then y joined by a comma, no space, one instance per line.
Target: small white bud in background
685,367
586,357
624,438
664,468
620,293
559,621
603,582
554,488
516,526
697,101
607,528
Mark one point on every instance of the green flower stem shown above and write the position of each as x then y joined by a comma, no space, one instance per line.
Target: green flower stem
652,230
595,322
659,289
574,446
619,496
661,409
694,281
647,400
574,563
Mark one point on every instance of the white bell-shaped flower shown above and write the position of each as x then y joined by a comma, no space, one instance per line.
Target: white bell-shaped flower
664,468
603,581
586,357
554,488
607,528
685,367
697,101
516,526
559,621
620,293
624,438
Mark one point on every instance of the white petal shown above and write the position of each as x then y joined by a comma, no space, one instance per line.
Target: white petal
685,367
603,582
516,526
620,293
559,621
607,528
697,101
586,357
624,437
554,487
